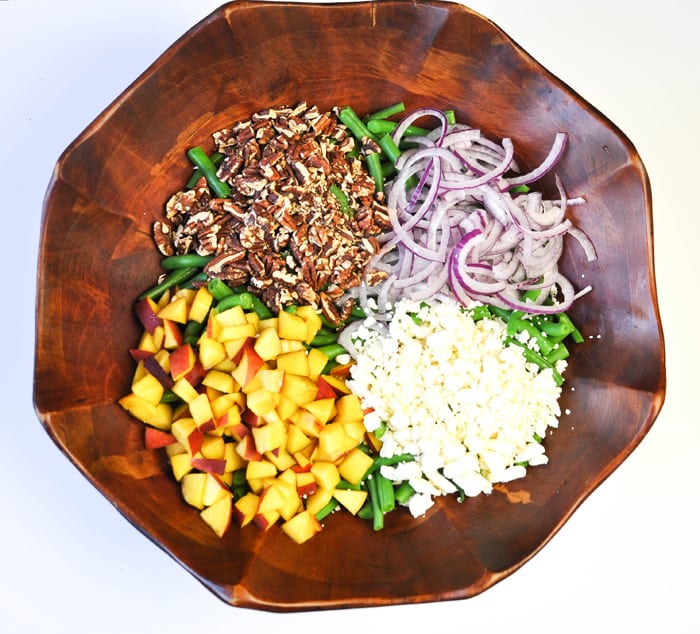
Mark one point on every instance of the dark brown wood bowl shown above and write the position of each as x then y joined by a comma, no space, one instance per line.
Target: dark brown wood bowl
97,255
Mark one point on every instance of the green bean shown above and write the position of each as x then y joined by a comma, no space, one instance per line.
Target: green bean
244,300
219,289
193,331
260,308
358,128
345,485
327,509
575,332
390,149
516,325
196,280
177,277
451,117
173,262
382,126
535,357
387,112
390,461
558,352
404,492
385,492
216,158
365,513
332,350
169,397
374,166
208,170
377,515
324,338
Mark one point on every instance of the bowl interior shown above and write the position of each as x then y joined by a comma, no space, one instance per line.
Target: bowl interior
97,255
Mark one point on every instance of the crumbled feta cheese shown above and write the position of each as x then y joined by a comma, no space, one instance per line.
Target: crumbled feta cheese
466,406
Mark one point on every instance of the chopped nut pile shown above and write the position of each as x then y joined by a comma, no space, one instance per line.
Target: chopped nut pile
283,233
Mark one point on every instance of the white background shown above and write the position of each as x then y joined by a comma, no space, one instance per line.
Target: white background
627,561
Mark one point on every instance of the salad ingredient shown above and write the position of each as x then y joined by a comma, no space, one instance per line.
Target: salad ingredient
447,391
255,429
298,219
465,223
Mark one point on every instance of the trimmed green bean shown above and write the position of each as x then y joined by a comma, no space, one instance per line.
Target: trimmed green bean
374,166
387,112
324,338
219,289
365,513
377,515
216,158
199,157
244,300
381,126
327,509
177,277
390,149
260,308
358,128
332,350
173,262
193,331
403,492
385,492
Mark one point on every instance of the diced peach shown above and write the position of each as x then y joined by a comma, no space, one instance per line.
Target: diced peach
233,460
248,366
301,527
281,458
355,465
146,311
334,443
299,389
182,361
352,500
286,407
306,483
211,352
229,333
270,436
262,401
200,410
306,422
244,509
201,303
337,383
291,326
349,408
268,345
312,319
157,438
296,439
212,447
181,464
159,415
323,409
265,521
319,499
209,465
246,449
260,469
317,360
296,362
234,316
175,311
159,366
218,515
326,474
172,335
193,485
185,390
221,381
186,432
214,490
148,388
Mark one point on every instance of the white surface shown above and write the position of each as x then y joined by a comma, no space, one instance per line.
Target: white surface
626,561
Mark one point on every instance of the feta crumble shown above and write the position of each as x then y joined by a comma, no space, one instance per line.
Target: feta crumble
449,392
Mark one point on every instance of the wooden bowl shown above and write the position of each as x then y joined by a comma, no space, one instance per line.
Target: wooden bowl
97,255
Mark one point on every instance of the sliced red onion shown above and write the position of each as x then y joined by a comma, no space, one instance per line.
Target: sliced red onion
461,232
